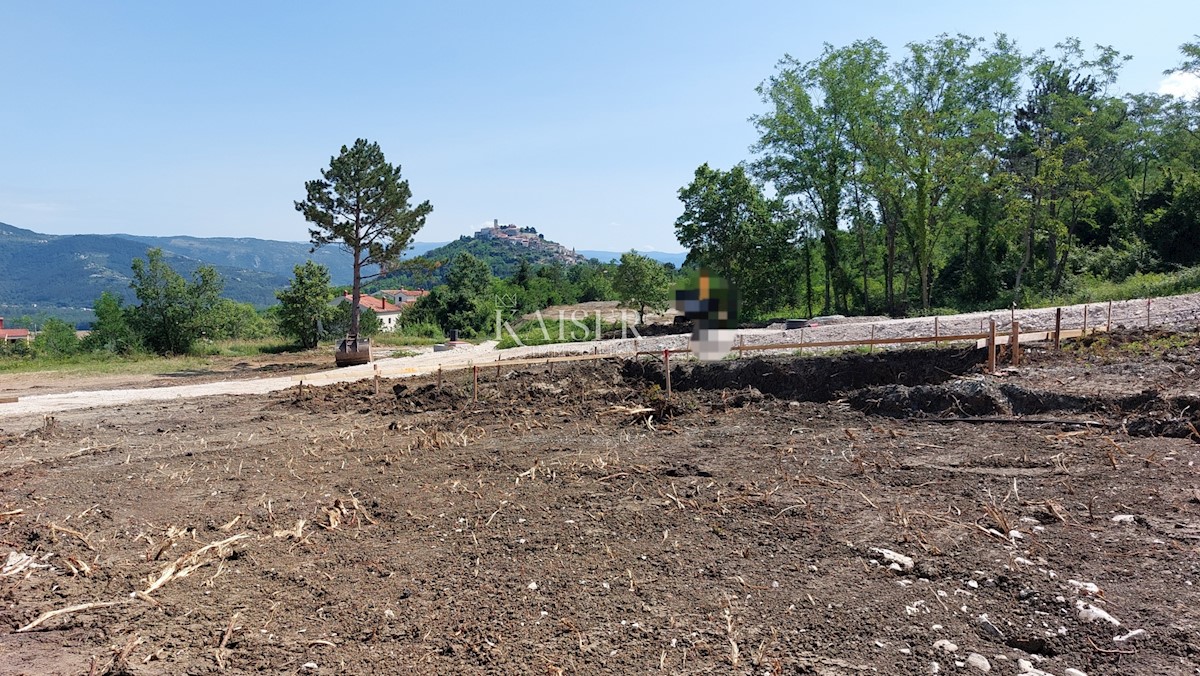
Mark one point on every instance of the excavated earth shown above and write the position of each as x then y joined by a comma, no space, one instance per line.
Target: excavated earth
892,513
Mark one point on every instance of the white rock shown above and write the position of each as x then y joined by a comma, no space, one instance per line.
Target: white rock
532,586
934,668
1090,613
1027,669
979,662
945,645
309,666
1124,518
1089,587
905,562
1074,672
1133,634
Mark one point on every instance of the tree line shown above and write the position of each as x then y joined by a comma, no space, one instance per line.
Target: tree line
958,173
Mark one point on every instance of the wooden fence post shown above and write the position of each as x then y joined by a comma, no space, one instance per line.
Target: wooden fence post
991,367
1057,327
1016,343
667,368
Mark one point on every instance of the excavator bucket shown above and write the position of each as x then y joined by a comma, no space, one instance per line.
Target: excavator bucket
352,351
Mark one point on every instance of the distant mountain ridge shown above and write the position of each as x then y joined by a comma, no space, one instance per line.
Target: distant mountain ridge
62,274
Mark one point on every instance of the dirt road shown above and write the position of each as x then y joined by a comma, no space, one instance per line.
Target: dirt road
1172,312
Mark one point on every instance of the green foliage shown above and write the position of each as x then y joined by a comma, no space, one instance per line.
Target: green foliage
112,331
231,320
729,227
362,203
340,318
1172,218
466,302
172,313
642,283
304,309
56,339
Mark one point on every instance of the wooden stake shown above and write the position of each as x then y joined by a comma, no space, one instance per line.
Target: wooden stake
741,346
439,379
377,380
1016,343
497,366
936,342
991,367
871,347
1147,313
475,386
667,367
1057,327
1109,326
801,349
1085,309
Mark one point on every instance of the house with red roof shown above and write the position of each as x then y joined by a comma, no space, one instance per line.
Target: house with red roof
13,335
404,297
388,313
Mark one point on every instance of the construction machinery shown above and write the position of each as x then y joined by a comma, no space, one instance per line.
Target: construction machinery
353,351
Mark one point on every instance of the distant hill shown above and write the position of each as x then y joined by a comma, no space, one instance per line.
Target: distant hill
60,274
247,253
676,259
503,254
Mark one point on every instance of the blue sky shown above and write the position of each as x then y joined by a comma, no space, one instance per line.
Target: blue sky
582,119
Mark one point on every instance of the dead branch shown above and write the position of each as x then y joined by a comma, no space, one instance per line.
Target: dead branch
66,611
188,563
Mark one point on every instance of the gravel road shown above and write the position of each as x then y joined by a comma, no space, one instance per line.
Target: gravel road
1174,312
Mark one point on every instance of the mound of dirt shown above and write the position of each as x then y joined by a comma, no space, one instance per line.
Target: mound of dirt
1147,413
816,379
962,397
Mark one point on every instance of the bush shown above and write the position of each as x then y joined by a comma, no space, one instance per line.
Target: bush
56,339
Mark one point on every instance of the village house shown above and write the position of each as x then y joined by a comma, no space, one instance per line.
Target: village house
403,297
388,313
13,335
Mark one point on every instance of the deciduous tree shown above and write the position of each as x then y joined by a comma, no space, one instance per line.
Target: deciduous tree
172,313
642,283
304,304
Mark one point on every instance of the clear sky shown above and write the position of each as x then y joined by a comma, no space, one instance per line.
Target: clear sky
582,119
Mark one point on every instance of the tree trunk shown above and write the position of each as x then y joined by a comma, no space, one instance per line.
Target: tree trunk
808,282
889,263
356,292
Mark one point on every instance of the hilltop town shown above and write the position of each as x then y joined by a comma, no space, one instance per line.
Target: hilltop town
530,238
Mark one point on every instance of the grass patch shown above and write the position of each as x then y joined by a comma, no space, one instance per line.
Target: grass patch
531,332
1141,285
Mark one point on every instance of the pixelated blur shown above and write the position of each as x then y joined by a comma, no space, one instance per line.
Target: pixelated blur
712,307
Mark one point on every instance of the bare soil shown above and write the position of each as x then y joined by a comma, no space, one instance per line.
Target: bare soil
576,520
214,369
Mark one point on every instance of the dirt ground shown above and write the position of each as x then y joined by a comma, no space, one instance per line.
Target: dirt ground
215,369
894,513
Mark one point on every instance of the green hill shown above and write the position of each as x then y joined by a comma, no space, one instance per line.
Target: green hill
504,256
59,275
